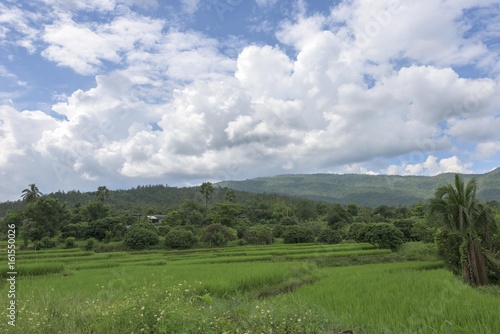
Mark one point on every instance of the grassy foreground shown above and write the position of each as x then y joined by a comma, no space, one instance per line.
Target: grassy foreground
268,289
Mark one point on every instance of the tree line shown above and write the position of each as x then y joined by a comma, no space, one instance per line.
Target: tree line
465,230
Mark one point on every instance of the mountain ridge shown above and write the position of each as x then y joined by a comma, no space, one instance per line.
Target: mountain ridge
364,189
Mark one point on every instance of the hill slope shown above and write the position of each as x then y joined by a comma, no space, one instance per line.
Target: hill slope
365,190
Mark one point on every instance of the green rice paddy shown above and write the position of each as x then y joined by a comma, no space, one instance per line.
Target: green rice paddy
249,289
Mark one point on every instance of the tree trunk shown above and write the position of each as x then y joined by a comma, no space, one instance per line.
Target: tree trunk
475,271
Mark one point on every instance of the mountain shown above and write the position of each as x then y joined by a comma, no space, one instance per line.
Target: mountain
365,190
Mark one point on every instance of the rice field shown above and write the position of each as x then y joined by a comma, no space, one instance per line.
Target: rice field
249,289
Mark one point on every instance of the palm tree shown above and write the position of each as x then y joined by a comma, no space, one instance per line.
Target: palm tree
457,207
102,193
206,189
31,194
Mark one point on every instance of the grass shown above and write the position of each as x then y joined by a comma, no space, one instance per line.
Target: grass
401,298
36,269
251,289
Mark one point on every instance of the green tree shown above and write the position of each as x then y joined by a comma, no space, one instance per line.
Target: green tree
259,235
102,193
329,236
31,194
338,217
226,213
381,235
230,196
94,210
294,234
306,210
217,235
353,209
48,216
206,190
139,237
180,238
384,235
458,209
406,227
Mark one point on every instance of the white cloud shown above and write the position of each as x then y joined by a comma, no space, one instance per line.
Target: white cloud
190,6
432,166
170,103
474,129
16,27
266,3
86,5
426,32
488,149
83,47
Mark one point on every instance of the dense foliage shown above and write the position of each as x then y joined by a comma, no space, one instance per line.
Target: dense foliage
209,216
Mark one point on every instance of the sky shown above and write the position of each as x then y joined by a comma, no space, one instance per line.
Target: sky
129,92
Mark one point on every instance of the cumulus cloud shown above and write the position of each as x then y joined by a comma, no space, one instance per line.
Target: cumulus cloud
353,90
432,166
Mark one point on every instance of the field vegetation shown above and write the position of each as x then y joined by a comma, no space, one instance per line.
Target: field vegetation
248,289
231,262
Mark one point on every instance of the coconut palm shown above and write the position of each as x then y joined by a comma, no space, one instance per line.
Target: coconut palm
457,207
31,194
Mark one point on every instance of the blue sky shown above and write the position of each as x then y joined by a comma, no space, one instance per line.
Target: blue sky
128,92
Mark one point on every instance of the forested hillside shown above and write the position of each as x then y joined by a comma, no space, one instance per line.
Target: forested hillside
365,190
149,199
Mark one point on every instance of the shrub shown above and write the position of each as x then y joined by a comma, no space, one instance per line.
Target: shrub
44,243
139,237
448,245
419,251
406,227
69,242
180,238
163,230
259,235
329,236
90,244
297,234
384,235
217,235
381,235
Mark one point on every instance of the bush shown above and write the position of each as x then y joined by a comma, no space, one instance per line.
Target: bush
236,243
329,236
217,235
381,235
406,227
448,245
44,243
69,242
139,237
163,230
259,235
180,238
90,244
419,251
297,234
384,235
